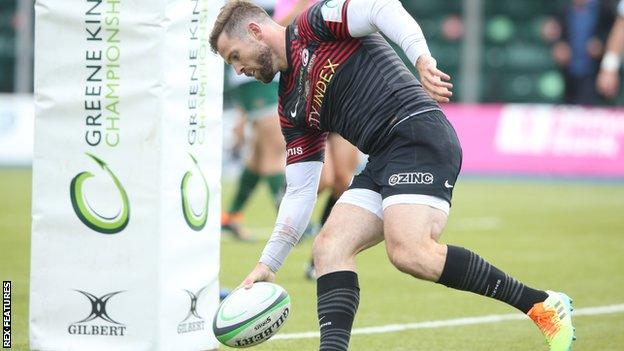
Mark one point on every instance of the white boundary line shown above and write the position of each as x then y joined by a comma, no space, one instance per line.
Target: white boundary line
494,318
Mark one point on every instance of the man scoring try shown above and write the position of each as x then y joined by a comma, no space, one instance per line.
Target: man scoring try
339,74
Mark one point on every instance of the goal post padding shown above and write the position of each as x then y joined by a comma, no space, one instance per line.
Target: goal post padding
126,175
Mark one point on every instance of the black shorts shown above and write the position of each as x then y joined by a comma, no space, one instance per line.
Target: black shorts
422,156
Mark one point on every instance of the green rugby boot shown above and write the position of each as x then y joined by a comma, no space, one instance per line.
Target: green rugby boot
554,318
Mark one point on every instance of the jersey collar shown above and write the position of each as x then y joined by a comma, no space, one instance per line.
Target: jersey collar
288,38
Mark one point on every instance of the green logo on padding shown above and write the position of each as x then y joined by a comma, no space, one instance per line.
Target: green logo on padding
84,211
195,219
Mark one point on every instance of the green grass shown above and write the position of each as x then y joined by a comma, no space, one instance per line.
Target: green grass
15,189
564,236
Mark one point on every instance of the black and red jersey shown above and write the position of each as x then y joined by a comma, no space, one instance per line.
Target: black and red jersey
356,87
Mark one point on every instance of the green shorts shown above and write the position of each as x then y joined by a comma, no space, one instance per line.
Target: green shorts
257,99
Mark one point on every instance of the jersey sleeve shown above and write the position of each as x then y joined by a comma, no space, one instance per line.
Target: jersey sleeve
324,21
303,145
620,8
302,180
342,19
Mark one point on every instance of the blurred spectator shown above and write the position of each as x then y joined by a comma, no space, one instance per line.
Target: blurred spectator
585,26
608,83
551,30
453,28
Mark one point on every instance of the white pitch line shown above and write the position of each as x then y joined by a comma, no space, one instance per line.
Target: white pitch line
494,318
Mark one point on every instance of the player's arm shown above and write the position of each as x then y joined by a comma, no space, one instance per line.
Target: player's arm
608,78
359,18
294,213
389,17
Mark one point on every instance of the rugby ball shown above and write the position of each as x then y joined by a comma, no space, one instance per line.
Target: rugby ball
248,317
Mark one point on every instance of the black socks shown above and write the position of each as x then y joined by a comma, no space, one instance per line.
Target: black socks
465,270
338,295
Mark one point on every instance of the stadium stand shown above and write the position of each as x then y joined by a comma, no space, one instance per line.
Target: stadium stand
7,45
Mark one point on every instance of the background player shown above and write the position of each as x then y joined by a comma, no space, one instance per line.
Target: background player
257,103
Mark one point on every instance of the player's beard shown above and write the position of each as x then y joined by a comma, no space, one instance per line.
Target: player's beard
265,59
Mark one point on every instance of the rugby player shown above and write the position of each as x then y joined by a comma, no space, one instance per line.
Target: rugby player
338,74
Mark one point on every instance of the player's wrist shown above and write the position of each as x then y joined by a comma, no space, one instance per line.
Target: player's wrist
268,264
611,62
264,266
424,61
416,51
423,57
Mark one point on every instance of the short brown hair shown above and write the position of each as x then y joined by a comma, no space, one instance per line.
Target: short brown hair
232,17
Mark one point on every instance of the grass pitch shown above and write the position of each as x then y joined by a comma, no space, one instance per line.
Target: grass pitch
551,235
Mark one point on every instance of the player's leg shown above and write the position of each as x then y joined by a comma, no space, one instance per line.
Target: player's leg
244,99
344,160
341,159
327,173
271,150
261,100
248,179
258,101
349,230
416,250
412,231
247,182
417,184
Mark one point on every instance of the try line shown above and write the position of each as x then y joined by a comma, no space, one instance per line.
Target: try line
494,318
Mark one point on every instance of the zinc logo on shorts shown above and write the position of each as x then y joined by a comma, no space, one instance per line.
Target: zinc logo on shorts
196,219
86,212
411,178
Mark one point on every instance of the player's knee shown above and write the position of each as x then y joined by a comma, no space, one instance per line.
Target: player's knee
321,249
411,258
328,249
437,226
400,258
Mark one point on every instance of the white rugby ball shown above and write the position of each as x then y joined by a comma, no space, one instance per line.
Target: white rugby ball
248,317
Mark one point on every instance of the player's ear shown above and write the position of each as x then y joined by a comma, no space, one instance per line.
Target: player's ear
254,30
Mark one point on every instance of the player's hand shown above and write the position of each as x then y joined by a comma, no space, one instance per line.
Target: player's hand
435,82
261,273
608,83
